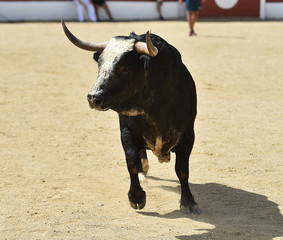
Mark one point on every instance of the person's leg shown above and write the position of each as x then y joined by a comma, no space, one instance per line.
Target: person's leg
159,8
96,7
159,4
105,6
193,20
80,11
91,12
189,18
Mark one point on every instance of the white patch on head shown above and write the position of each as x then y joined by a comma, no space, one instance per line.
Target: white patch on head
114,51
115,48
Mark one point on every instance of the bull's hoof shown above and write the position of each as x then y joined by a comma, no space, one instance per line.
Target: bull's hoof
190,209
137,206
137,199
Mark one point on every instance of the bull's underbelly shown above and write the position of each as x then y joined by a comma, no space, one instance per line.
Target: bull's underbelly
161,146
159,139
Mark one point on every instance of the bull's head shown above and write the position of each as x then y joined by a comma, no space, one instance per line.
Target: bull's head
117,71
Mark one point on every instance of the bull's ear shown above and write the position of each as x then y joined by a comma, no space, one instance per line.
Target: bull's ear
145,60
96,56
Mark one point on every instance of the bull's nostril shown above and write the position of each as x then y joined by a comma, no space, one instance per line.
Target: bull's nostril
89,97
98,102
94,102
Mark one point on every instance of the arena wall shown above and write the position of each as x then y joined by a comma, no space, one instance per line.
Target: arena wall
54,10
274,9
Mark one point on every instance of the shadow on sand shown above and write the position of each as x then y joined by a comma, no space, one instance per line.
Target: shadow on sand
235,213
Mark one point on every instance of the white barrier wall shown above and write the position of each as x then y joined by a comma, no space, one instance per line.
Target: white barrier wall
37,11
11,11
57,10
274,10
144,10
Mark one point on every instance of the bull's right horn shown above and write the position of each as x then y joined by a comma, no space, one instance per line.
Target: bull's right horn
146,47
94,47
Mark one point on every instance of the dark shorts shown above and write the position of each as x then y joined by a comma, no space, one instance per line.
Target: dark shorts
98,2
193,5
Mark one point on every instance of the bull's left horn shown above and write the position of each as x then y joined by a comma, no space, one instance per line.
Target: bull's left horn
151,48
146,48
94,47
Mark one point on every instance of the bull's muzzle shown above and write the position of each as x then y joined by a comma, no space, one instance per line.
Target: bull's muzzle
96,102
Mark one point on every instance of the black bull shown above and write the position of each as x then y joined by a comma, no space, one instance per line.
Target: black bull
143,79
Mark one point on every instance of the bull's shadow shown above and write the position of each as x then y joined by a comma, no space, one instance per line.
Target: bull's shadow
235,213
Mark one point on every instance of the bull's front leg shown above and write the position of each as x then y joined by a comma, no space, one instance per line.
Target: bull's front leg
183,151
136,194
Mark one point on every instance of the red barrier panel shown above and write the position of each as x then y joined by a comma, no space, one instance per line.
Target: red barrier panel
72,0
230,8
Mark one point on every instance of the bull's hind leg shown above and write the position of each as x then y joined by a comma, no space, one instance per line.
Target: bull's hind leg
183,151
143,169
136,194
144,161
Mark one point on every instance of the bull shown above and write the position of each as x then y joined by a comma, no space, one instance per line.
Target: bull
143,79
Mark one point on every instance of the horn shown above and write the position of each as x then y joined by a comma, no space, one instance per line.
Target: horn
146,48
151,48
94,47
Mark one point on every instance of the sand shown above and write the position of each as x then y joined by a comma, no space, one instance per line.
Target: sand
62,168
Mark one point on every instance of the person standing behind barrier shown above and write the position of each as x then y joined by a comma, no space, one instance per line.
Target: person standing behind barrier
193,8
159,3
90,10
103,4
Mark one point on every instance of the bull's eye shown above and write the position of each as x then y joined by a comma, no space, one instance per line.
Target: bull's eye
96,56
123,70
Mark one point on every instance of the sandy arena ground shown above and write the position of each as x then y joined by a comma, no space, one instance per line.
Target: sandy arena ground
62,168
